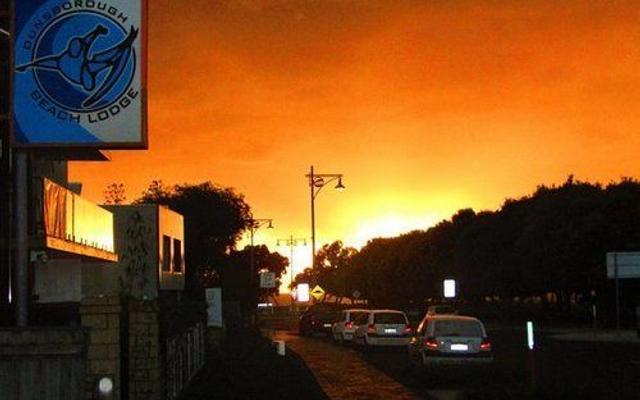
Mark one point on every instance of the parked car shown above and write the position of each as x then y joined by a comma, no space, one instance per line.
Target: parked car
318,318
441,309
450,339
382,328
343,328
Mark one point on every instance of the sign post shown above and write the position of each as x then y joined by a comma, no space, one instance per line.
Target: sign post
77,79
214,307
267,280
622,266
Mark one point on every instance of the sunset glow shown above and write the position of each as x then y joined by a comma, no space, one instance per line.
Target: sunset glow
425,107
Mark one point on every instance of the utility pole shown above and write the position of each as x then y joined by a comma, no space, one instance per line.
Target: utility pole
292,242
21,233
316,183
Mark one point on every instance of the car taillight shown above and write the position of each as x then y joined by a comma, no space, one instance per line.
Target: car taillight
371,328
348,325
408,330
431,344
485,345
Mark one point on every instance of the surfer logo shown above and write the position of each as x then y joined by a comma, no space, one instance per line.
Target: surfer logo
82,68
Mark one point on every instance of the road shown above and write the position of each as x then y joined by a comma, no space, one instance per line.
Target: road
563,369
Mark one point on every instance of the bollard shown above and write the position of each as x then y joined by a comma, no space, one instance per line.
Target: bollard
280,347
532,355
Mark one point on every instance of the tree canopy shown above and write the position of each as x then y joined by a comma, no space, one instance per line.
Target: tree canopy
553,241
215,218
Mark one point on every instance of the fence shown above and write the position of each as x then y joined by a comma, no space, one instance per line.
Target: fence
185,355
42,363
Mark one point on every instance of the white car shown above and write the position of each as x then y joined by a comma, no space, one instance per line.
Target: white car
450,339
382,328
343,328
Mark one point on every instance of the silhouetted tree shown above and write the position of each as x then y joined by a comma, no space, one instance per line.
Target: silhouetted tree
235,275
215,218
115,194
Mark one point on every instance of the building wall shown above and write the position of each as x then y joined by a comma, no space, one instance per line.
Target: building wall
58,281
4,159
103,278
171,225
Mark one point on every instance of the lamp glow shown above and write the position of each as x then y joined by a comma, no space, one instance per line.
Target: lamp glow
303,292
449,288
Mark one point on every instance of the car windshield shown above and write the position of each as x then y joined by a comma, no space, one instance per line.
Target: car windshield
455,327
389,318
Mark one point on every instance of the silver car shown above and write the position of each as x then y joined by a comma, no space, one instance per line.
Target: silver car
382,328
343,328
450,339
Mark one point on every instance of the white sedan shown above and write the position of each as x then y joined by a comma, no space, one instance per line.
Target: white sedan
343,328
383,328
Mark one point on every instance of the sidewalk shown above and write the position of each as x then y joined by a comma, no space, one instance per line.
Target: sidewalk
250,369
342,374
609,335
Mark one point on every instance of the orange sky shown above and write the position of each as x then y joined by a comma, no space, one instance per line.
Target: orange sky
425,106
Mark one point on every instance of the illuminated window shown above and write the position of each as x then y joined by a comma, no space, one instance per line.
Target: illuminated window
166,253
177,255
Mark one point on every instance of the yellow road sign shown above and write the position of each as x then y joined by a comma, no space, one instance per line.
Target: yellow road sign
317,292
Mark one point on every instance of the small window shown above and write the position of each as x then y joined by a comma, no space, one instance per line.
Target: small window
166,253
458,328
177,255
389,318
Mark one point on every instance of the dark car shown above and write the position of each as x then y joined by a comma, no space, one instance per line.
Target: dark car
318,318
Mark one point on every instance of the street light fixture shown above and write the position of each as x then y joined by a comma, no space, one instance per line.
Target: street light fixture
254,225
316,183
292,242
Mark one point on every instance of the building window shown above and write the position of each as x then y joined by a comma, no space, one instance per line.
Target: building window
166,253
177,255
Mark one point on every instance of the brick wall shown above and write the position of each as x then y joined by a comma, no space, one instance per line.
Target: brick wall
102,318
145,377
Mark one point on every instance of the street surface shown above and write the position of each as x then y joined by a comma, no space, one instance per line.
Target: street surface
566,368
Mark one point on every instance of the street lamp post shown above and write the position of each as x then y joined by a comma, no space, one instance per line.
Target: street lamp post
21,234
316,183
254,225
292,242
